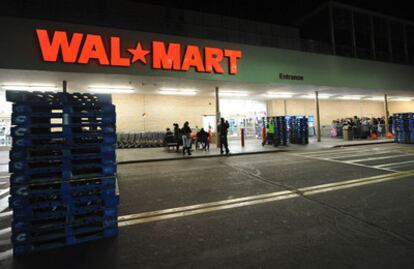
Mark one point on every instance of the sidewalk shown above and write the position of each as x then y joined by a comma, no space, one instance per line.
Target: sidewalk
252,146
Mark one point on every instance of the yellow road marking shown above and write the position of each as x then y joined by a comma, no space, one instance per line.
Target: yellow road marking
177,212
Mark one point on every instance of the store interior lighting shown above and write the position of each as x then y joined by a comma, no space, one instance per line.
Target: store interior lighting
374,98
29,87
312,96
226,93
110,89
350,97
173,91
279,95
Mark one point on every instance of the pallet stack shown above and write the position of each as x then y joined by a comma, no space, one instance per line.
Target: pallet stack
281,134
298,130
403,125
63,168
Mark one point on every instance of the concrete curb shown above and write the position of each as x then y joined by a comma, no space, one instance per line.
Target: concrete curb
201,157
363,144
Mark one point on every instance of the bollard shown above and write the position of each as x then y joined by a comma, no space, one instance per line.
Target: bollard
242,136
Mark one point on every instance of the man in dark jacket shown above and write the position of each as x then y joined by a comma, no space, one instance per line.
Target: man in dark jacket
223,130
186,136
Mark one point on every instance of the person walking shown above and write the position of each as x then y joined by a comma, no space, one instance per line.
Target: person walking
177,136
186,136
223,130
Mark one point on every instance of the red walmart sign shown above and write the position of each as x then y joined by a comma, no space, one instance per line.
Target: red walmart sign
82,48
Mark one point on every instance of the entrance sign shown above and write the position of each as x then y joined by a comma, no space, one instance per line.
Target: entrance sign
82,48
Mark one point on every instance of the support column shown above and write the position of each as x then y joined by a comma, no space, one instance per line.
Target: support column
218,115
317,118
65,86
386,113
284,108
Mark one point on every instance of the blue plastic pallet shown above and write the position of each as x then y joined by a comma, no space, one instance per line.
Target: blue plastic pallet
108,139
52,154
67,236
27,216
25,120
50,98
62,162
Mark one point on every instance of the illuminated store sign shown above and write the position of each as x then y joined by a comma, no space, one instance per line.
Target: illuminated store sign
82,48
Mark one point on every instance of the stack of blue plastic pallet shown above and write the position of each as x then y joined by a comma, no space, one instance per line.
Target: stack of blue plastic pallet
63,168
298,130
403,125
281,135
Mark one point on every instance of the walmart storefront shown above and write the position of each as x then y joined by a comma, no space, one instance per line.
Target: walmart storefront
157,80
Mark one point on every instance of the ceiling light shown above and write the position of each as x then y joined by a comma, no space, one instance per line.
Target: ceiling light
312,96
350,97
29,87
281,95
374,98
233,93
110,89
172,91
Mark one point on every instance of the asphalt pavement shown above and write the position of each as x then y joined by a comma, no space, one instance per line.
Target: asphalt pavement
331,208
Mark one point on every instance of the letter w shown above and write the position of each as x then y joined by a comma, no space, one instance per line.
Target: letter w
50,50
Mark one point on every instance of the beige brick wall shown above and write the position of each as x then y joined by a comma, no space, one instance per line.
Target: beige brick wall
400,107
329,109
161,111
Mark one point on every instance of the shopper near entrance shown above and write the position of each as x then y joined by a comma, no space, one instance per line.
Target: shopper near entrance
223,129
202,138
186,136
177,136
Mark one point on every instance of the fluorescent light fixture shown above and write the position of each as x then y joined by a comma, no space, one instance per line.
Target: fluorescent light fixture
374,98
281,95
172,91
401,99
110,89
233,93
312,96
29,87
350,97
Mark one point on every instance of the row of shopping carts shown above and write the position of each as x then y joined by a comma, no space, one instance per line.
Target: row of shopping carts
140,140
63,169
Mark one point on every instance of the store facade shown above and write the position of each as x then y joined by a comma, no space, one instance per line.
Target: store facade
157,80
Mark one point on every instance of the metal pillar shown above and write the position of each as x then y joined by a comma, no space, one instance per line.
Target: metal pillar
65,86
218,116
318,118
353,38
332,29
386,113
284,107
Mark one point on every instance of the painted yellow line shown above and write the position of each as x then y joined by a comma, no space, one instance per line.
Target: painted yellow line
242,199
252,200
205,210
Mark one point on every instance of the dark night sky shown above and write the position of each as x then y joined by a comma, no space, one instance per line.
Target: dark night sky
283,12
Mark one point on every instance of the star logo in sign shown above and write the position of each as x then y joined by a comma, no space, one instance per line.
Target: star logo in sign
139,54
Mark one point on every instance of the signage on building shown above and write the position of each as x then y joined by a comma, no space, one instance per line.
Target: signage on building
82,48
290,77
